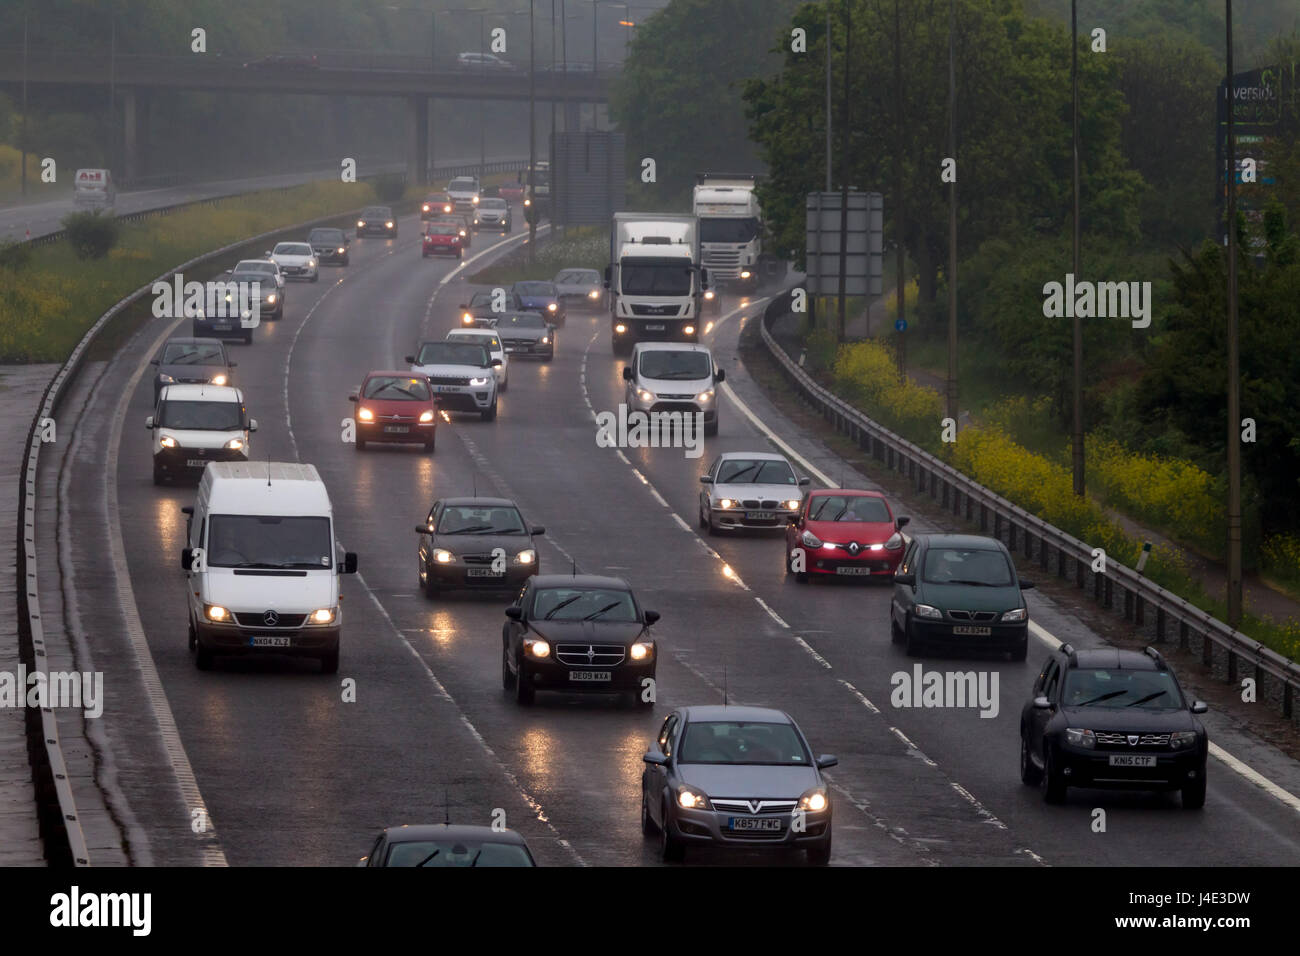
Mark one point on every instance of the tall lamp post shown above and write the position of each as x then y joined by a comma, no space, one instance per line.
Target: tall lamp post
1076,426
1234,370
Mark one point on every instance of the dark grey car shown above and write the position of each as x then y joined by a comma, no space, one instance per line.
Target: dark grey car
192,361
738,777
476,544
526,333
448,845
580,290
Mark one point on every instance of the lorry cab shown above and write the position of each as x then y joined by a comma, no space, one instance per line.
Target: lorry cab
260,564
93,189
655,279
730,229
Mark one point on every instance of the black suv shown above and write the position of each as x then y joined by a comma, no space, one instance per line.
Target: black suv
1107,717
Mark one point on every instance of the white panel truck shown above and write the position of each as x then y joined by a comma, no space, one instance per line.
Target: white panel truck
655,279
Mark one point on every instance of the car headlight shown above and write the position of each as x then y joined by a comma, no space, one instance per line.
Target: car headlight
426,417
388,225
814,800
895,541
593,294
474,200
708,295
1182,739
462,233
692,799
640,651
215,612
447,208
361,224
476,222
218,380
442,556
270,298
791,505
744,273
325,615
1078,737
424,208
478,381
167,442
467,319
311,263
810,540
644,395
342,250
365,414
705,396
537,647
620,328
235,444
551,307
925,610
1019,614
725,503
526,556
165,378
689,330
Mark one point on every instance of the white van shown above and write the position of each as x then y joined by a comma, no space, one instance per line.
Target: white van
93,189
260,563
193,425
674,377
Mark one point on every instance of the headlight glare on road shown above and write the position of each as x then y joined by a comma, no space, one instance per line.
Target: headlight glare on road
640,651
1079,737
925,610
215,612
1182,739
167,442
526,556
426,417
814,800
442,556
692,799
1019,614
365,414
810,540
323,615
537,648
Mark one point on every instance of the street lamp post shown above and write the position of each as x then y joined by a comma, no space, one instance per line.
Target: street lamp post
952,215
1076,427
532,135
1234,370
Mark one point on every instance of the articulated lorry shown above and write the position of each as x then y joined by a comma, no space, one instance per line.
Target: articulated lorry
731,231
655,279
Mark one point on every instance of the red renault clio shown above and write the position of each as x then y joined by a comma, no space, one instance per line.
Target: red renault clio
844,533
396,407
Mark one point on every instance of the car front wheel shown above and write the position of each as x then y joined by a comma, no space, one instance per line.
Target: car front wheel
1029,774
671,849
1194,793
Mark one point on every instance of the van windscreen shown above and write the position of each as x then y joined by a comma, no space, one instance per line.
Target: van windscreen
269,541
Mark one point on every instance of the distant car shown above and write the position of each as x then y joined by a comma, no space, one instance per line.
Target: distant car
511,192
461,375
396,406
193,425
465,193
526,333
464,223
490,339
540,296
960,592
478,311
1115,718
442,239
578,633
744,489
445,845
192,361
483,61
735,777
377,220
476,544
580,290
845,533
293,61
493,213
296,260
329,245
270,278
435,205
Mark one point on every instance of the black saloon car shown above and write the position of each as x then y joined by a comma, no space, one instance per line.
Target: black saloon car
329,245
192,361
377,221
448,844
476,544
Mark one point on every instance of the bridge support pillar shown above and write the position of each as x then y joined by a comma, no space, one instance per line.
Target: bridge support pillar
135,152
417,159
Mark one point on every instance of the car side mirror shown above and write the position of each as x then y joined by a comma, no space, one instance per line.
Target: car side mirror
651,617
349,565
720,375
515,613
655,758
827,760
495,363
352,397
1199,707
538,530
706,479
187,558
902,521
148,423
1042,703
627,373
409,359
188,510
805,480
423,529
1026,585
905,577
252,424
606,280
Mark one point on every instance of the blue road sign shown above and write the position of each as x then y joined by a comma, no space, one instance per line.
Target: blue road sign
900,325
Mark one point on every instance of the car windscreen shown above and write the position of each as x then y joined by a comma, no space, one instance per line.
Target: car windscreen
492,204
847,508
490,341
728,230
480,299
461,186
583,604
578,277
481,519
377,212
397,389
456,853
326,235
522,320
759,471
1145,690
193,353
669,278
441,229
967,566
535,289
742,742
202,416
255,269
269,541
292,249
681,366
452,353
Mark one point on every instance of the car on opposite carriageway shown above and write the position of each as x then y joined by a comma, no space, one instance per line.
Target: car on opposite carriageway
377,220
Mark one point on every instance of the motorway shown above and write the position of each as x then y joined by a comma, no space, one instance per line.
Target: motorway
293,774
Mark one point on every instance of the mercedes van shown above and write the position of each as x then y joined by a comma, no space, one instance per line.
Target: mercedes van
262,578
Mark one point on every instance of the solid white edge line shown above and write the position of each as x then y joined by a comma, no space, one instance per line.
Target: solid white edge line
775,438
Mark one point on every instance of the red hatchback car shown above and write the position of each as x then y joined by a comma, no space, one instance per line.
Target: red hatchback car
396,407
846,534
442,238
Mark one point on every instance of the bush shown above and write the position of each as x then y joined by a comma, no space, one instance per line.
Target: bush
15,255
391,187
90,234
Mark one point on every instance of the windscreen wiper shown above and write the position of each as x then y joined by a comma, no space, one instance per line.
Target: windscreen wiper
1159,693
1098,700
565,603
607,607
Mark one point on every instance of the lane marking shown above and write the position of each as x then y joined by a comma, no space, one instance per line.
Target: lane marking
772,614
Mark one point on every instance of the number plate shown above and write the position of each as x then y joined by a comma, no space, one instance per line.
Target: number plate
591,676
270,640
484,573
397,429
852,570
971,629
1132,760
761,824
759,515
654,327
196,463
449,388
222,326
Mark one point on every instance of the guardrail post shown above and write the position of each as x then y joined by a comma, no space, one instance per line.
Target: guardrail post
1184,642
1011,532
997,525
1139,609
1287,698
944,496
984,517
1042,552
1232,666
1207,650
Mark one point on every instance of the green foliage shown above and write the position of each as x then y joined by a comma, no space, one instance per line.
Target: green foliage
15,255
91,234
